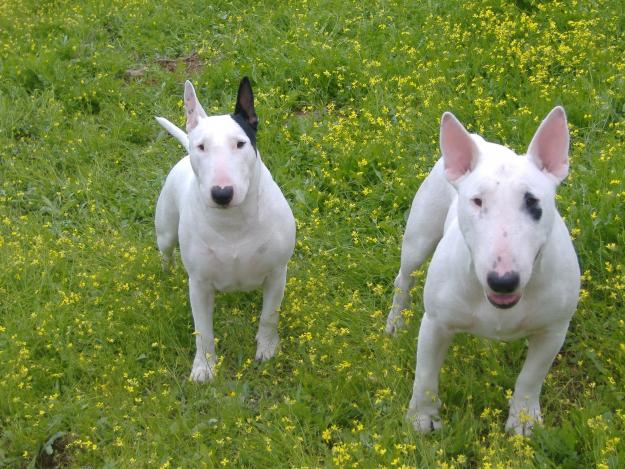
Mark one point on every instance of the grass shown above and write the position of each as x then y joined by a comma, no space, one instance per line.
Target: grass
96,342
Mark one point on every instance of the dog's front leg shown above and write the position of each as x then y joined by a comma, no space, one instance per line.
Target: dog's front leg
202,298
524,405
267,336
432,346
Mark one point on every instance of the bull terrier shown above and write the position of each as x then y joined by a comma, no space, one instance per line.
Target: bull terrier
504,266
235,229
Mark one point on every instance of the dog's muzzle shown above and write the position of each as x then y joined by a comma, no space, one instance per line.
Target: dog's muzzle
222,195
503,301
503,288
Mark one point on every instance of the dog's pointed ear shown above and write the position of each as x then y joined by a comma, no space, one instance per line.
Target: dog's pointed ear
549,148
192,106
460,153
245,103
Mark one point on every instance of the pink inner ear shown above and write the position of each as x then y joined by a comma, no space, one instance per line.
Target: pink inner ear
549,148
192,106
459,150
192,118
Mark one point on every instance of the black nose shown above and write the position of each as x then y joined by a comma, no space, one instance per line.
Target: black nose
222,195
505,283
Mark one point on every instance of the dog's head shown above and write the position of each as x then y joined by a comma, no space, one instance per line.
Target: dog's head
506,202
222,148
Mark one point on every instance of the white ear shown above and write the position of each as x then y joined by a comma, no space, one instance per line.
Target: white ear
192,106
460,153
549,149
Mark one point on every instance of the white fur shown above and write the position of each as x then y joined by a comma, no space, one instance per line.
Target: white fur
498,236
243,246
175,131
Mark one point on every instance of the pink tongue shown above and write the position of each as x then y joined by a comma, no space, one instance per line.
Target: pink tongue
503,299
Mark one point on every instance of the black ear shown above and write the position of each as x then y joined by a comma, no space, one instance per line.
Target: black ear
245,103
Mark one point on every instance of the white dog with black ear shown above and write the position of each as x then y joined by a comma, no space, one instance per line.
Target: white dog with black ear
235,229
504,265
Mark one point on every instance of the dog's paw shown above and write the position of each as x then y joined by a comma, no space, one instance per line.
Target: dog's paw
267,347
201,374
202,371
523,417
167,263
394,323
424,423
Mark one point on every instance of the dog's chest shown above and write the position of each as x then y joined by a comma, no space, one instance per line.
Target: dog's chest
229,265
241,268
477,316
499,324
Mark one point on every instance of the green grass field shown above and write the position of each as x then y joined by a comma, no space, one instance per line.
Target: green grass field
96,342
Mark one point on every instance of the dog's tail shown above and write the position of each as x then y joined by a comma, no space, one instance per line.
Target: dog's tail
177,132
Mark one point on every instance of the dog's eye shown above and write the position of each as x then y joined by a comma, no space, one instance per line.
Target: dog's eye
240,144
530,200
201,146
532,206
477,201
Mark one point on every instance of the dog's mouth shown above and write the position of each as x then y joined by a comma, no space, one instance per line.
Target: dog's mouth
503,301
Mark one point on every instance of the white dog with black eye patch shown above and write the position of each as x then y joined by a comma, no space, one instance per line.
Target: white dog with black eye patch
234,227
503,267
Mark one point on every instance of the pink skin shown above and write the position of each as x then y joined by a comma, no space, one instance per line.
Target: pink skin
504,301
221,178
503,265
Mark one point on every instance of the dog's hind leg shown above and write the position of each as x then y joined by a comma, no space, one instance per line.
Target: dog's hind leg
166,221
423,231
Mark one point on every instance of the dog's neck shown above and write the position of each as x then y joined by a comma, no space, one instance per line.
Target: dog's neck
230,220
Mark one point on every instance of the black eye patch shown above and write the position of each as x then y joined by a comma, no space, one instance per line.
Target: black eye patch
532,206
247,128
